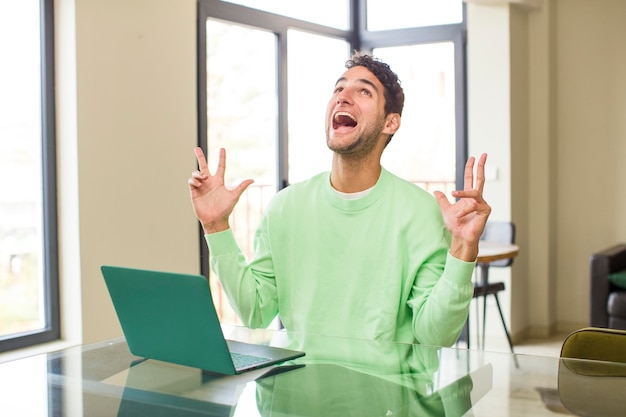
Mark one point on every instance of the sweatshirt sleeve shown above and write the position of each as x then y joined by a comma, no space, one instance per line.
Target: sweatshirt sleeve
440,314
250,287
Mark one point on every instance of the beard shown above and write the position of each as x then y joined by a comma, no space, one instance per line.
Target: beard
360,147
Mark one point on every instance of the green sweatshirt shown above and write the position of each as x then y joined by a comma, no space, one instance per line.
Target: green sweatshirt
376,267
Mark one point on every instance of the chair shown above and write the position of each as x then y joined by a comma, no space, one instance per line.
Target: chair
501,232
595,343
595,385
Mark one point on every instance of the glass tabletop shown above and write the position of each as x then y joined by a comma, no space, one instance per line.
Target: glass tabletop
337,377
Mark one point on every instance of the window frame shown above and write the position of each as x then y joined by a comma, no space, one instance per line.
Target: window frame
358,37
52,329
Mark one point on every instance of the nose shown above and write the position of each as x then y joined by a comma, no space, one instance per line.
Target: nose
342,97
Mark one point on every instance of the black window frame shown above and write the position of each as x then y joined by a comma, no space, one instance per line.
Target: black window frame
52,328
359,38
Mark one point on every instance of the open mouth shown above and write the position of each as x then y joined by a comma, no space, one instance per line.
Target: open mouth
343,119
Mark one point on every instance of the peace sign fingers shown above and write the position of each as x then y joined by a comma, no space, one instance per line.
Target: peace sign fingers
468,177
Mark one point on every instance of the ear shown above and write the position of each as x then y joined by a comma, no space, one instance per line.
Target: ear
392,123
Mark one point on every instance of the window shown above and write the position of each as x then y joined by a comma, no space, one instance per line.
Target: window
423,150
266,72
309,87
28,259
313,11
243,118
384,15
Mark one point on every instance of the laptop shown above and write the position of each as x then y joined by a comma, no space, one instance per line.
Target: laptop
171,317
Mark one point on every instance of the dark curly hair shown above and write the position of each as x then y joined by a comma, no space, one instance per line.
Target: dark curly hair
394,94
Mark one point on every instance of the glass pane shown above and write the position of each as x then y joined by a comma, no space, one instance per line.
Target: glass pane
333,13
242,115
384,15
21,272
310,88
423,151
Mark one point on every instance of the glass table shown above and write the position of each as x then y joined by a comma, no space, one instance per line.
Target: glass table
337,377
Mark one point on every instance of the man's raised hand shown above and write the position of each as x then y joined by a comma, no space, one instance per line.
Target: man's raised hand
212,202
466,218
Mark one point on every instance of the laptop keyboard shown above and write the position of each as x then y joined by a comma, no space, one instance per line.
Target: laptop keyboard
241,360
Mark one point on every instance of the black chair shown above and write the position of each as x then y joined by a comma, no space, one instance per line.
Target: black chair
607,300
501,232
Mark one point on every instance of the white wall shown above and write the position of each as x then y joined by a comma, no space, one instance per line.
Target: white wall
564,98
591,143
127,110
489,115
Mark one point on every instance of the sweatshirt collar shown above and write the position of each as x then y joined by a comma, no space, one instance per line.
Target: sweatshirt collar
357,204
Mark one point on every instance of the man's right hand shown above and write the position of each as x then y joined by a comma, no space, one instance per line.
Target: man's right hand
211,200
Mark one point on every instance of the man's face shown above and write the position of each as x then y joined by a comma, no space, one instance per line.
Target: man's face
355,117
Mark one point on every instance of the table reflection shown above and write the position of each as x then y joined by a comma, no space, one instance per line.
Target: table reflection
345,377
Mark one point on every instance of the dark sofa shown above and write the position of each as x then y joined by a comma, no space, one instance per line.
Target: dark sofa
608,301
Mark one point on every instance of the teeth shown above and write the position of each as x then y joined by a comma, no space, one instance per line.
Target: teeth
343,113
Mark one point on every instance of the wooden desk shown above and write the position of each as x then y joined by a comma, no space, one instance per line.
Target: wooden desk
494,251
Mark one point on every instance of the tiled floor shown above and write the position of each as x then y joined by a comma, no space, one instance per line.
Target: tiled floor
545,347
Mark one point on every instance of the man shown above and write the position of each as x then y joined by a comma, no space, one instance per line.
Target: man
356,251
